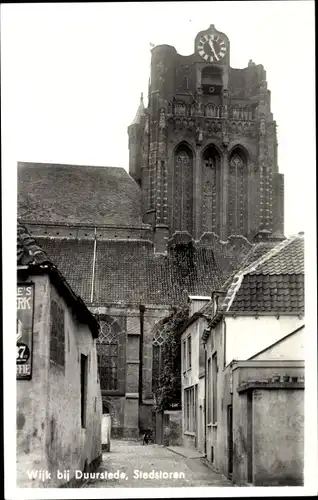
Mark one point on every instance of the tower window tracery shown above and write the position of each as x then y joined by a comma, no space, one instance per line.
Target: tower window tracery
238,193
211,182
209,162
183,189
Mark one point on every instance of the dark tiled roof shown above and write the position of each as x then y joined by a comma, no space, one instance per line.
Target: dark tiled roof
289,260
245,259
270,293
258,251
274,283
128,271
74,258
77,194
32,258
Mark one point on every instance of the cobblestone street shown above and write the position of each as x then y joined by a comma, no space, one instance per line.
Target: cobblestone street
132,460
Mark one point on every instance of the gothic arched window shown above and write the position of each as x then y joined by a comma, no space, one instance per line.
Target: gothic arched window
210,190
238,193
183,189
157,356
107,354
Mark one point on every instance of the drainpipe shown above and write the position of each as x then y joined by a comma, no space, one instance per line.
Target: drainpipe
141,345
94,261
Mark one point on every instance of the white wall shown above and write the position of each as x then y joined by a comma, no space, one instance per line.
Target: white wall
246,335
189,378
291,347
49,433
68,445
32,396
197,304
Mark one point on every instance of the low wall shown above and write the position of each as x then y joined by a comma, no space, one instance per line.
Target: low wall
173,428
268,425
106,430
278,437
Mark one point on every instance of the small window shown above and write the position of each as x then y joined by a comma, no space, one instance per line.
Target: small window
201,358
57,339
184,356
83,389
189,410
209,416
212,74
215,387
189,351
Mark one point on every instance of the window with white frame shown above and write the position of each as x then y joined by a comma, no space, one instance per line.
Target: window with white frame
209,398
189,352
184,356
214,388
189,410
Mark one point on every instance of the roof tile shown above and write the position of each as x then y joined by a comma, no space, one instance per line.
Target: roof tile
28,251
274,283
77,194
128,271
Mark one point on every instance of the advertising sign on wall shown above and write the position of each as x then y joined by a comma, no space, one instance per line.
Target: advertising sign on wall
25,305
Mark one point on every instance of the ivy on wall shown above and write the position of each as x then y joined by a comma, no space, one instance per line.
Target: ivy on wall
168,391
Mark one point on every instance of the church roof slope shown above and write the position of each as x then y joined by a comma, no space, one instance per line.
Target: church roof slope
129,272
32,259
77,194
74,258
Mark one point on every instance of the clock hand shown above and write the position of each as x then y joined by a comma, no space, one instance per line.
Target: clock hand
212,47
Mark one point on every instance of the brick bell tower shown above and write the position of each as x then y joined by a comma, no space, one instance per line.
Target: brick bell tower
204,151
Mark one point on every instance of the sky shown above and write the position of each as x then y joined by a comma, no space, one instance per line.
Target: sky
72,75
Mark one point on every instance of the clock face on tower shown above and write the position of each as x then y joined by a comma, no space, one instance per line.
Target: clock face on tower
212,48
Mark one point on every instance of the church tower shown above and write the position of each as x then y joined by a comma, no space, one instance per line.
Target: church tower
204,151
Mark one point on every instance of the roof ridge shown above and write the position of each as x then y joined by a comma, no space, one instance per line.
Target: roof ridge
271,253
28,250
35,163
238,277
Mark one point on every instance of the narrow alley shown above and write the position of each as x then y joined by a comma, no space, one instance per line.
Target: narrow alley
130,464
